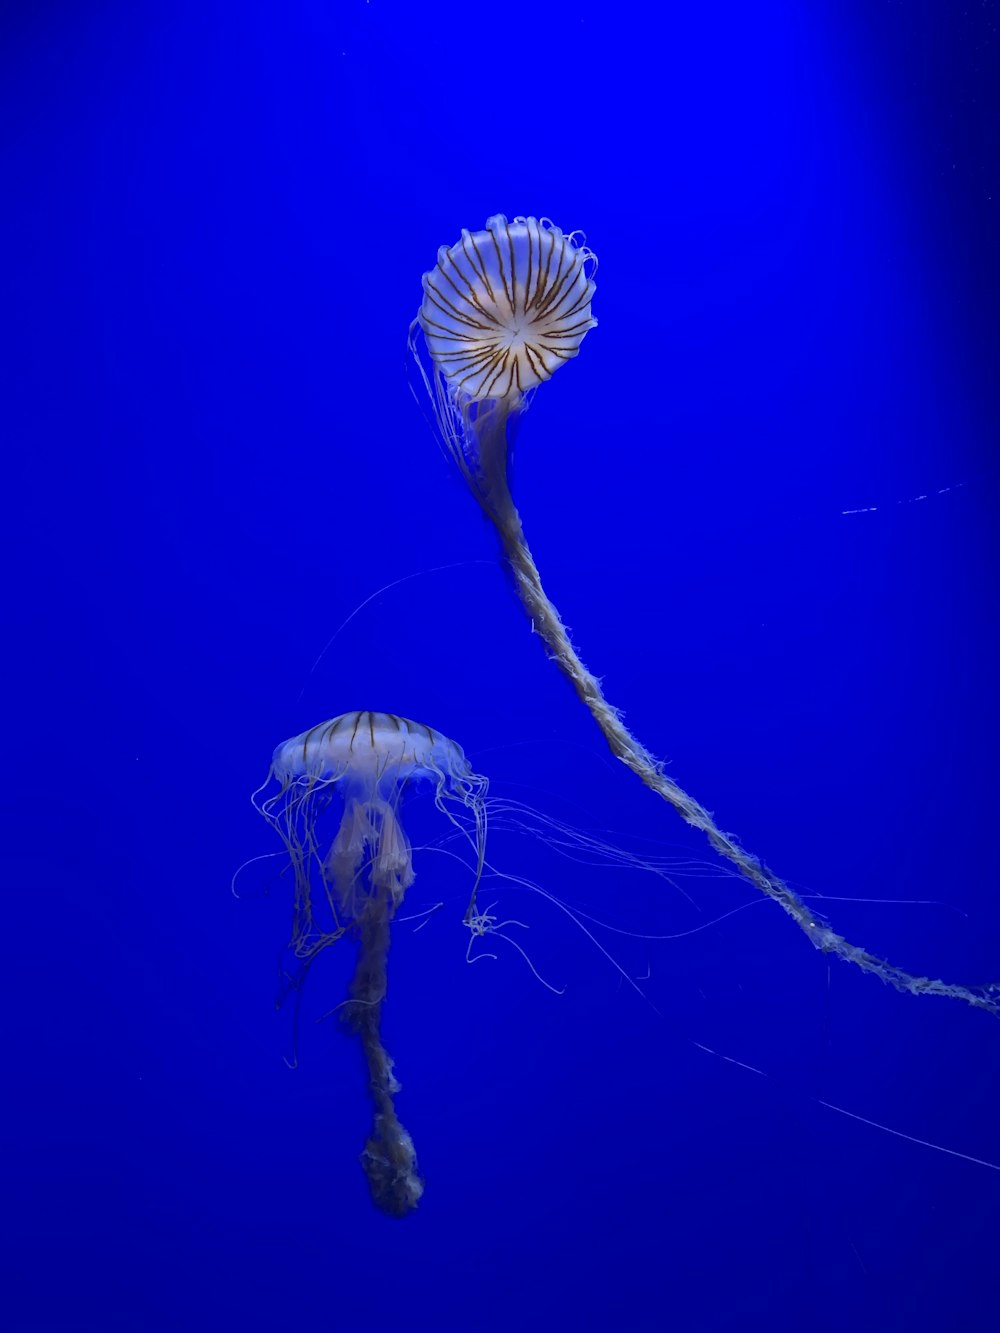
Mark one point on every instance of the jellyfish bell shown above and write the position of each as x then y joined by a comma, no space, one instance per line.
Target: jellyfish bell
360,765
370,752
502,310
368,759
505,307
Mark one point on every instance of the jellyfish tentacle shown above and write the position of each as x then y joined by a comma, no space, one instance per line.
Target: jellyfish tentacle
485,923
627,748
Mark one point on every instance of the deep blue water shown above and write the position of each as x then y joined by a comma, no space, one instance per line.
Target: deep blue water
764,498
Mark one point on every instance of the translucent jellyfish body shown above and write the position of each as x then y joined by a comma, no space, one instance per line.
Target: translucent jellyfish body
359,767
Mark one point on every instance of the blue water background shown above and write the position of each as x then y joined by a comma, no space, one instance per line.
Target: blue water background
765,500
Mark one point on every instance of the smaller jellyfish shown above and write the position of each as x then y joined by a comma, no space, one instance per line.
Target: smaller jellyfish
359,766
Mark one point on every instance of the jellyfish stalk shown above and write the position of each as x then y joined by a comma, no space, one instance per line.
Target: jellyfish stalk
502,310
389,1158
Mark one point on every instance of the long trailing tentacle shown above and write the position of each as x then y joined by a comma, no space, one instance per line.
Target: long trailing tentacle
548,625
482,461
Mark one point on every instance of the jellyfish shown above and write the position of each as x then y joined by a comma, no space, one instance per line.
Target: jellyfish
359,766
502,310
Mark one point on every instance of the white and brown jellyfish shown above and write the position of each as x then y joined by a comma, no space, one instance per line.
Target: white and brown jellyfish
351,775
502,310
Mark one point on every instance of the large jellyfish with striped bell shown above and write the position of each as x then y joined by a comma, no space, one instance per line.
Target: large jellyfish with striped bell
502,310
339,811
